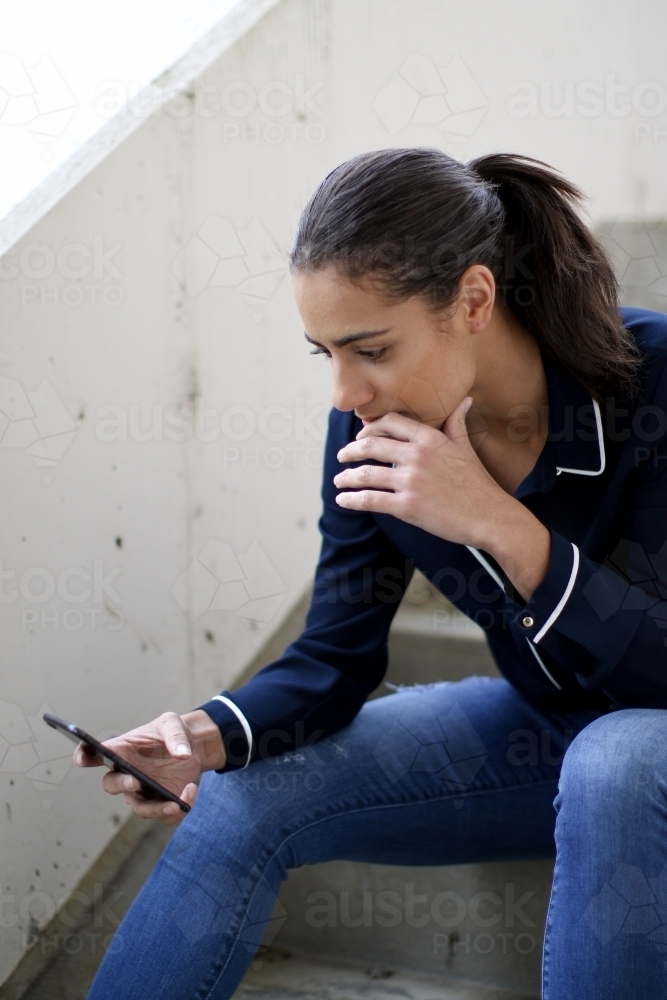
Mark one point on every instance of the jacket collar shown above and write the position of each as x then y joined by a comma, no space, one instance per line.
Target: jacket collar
575,439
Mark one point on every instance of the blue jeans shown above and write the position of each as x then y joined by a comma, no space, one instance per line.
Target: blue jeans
381,790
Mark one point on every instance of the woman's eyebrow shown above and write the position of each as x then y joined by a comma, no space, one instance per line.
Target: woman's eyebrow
351,338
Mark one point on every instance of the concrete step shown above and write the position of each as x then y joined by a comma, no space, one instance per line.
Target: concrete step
280,975
75,950
481,923
341,962
475,935
431,640
469,925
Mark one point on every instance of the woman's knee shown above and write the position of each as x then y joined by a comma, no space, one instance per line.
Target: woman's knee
616,760
226,849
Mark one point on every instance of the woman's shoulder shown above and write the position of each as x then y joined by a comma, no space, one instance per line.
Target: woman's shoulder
649,330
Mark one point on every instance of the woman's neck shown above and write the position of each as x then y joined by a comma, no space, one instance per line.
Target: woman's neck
508,421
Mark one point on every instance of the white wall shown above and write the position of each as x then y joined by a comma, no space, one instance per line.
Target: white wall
162,345
505,45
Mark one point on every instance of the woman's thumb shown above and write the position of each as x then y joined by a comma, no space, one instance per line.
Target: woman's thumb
175,736
455,425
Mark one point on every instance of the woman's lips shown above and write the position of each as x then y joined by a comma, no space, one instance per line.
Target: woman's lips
401,413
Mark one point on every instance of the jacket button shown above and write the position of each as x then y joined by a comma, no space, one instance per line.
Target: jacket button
528,621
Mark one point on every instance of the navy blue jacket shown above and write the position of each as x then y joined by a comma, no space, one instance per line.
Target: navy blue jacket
592,635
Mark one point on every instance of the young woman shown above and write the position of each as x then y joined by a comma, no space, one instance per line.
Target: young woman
499,423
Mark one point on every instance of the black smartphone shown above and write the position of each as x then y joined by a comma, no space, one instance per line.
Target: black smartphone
151,789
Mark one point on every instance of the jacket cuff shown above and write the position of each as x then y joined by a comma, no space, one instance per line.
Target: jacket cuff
234,737
548,600
581,601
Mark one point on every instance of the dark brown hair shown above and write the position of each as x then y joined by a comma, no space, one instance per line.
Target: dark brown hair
415,219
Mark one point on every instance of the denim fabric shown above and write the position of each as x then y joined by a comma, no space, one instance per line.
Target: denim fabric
425,776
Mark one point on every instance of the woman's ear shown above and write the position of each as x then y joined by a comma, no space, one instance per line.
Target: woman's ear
477,289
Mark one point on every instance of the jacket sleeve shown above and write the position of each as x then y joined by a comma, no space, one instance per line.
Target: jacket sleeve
607,623
323,678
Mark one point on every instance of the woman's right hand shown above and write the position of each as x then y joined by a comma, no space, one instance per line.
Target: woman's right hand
172,749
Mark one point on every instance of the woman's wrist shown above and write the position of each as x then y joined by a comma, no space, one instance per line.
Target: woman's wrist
520,544
206,739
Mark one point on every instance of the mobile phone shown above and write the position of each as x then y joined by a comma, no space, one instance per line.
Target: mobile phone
151,789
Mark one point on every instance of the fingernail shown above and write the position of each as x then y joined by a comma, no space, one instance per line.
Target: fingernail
182,750
468,403
128,782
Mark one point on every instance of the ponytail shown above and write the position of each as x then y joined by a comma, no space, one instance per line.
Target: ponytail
558,279
416,219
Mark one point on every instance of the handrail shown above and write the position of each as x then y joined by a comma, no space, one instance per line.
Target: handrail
156,93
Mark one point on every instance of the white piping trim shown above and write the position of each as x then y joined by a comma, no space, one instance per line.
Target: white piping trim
487,566
539,660
603,458
242,719
561,604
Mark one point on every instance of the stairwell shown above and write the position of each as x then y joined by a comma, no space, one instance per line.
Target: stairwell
492,951
485,940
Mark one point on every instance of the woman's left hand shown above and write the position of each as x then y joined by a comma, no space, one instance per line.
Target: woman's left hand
438,482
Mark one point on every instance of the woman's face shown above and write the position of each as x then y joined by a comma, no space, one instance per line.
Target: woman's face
394,356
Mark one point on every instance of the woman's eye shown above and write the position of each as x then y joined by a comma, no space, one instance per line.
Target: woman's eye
373,355
318,350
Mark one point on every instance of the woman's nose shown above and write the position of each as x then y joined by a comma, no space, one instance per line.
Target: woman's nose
348,392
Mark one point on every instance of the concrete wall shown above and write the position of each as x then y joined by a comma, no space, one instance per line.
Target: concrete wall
158,294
